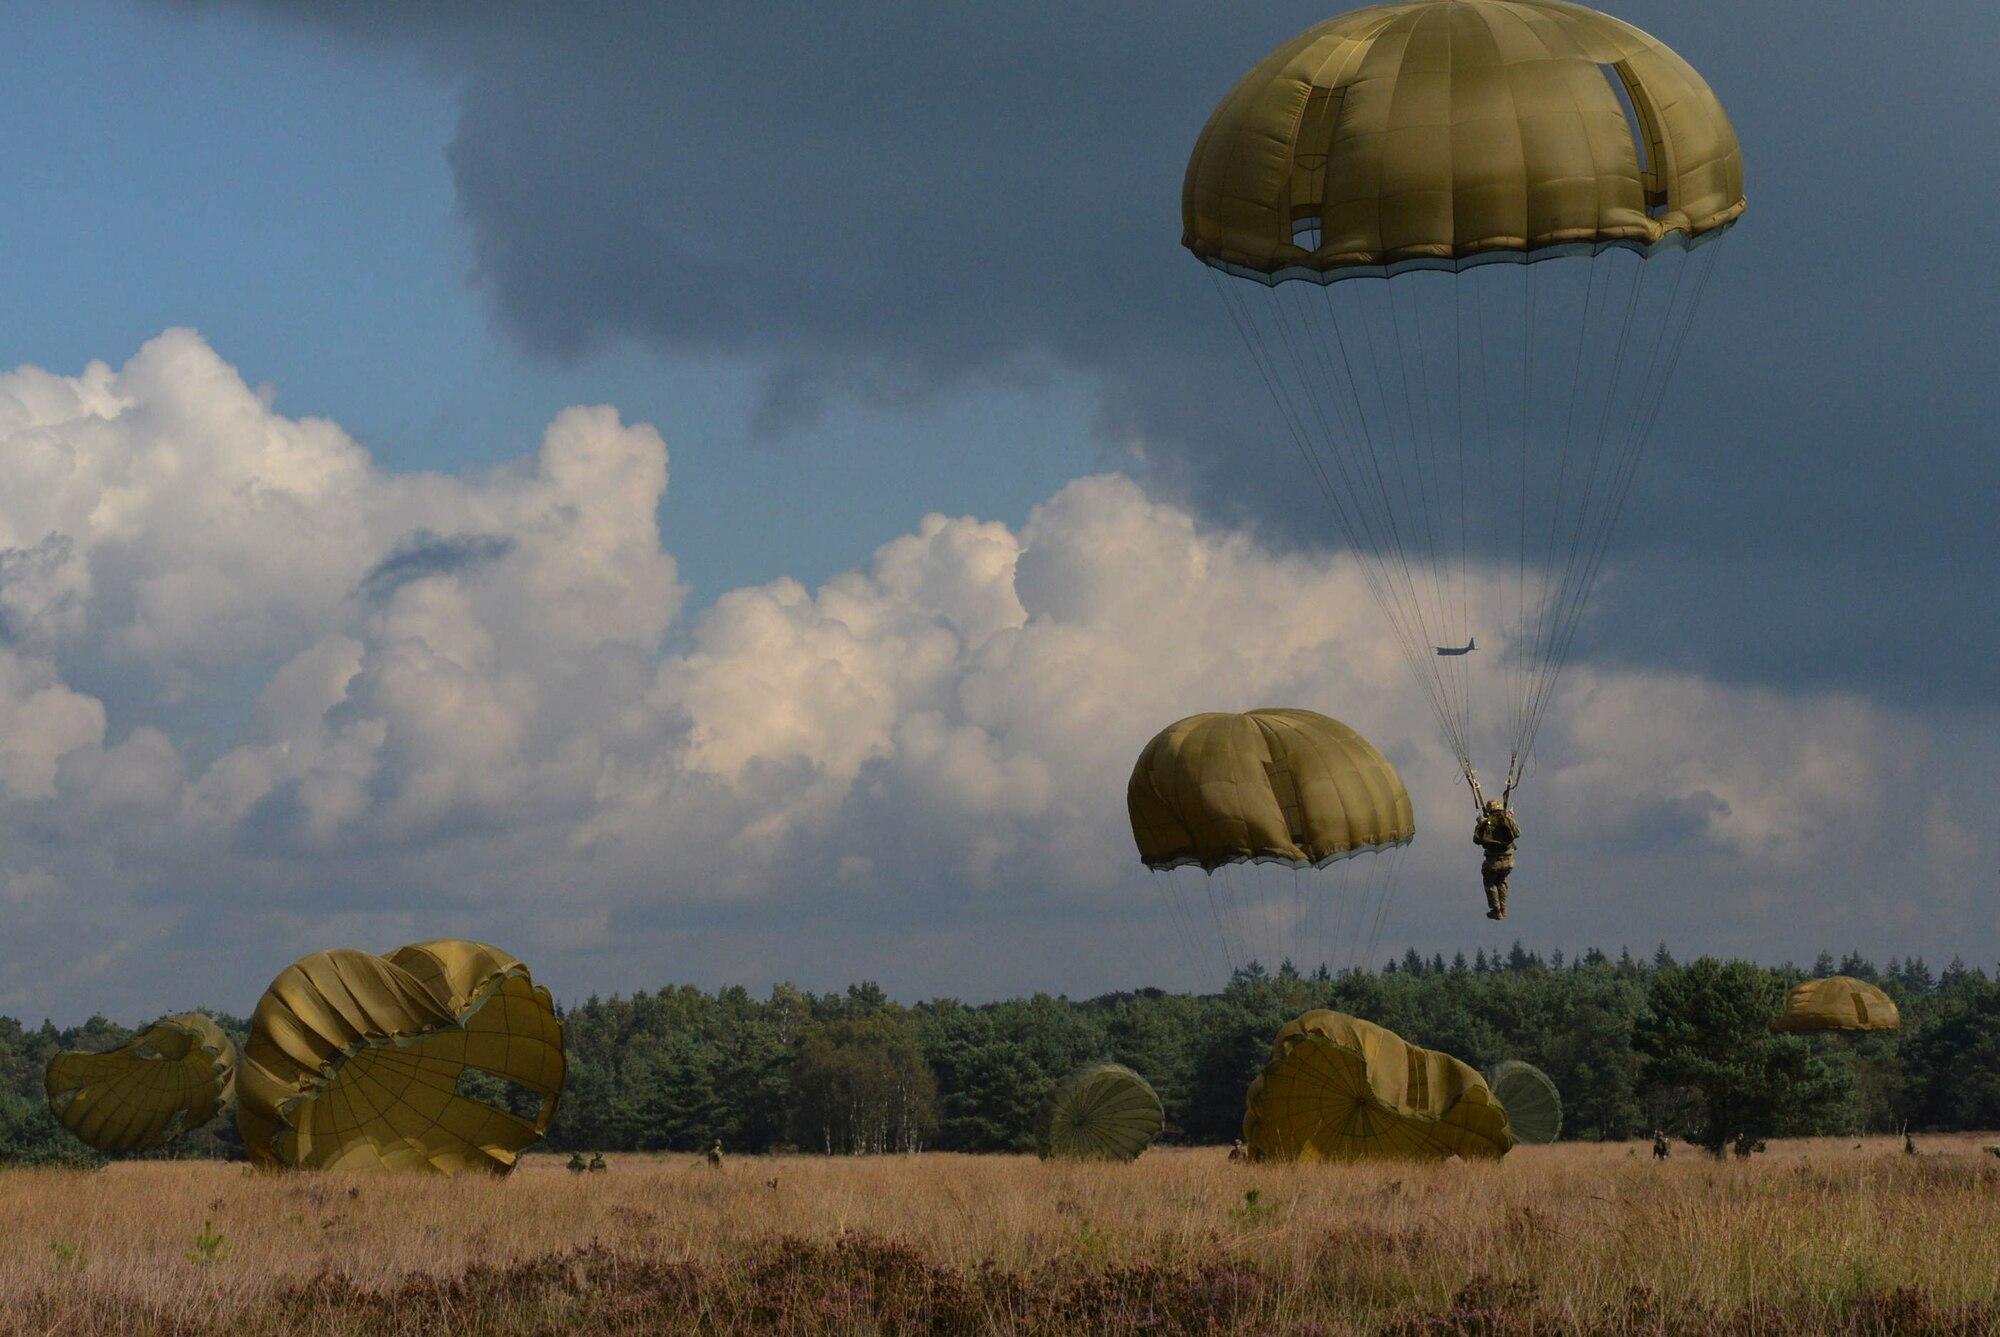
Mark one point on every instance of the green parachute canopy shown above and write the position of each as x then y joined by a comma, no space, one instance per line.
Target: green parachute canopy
1100,1112
1534,1108
1267,786
359,1062
176,1075
1341,1089
1838,1003
1438,134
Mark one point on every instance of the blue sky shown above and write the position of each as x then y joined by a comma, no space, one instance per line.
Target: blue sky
289,198
931,484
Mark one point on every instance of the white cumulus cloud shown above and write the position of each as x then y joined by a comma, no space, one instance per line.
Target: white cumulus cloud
259,695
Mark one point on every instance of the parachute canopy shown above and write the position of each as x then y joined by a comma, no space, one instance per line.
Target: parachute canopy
177,1074
1273,786
1100,1112
358,1061
1437,134
1838,1003
1534,1109
1341,1089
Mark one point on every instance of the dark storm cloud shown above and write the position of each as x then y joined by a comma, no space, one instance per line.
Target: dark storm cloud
882,200
422,553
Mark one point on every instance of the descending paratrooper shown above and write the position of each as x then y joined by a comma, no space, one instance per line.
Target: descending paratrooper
1456,238
1495,832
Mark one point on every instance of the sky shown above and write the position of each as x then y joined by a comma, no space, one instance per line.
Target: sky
712,496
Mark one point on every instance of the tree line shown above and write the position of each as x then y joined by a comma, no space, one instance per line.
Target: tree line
1633,1045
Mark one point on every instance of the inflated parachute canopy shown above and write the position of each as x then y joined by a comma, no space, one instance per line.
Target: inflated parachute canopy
1272,786
177,1074
1838,1003
1534,1108
1100,1112
1436,134
1341,1089
371,1062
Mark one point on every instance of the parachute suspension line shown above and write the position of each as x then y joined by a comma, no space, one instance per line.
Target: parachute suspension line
1193,945
1299,917
1178,911
1233,897
1216,900
1489,439
1370,526
1538,645
1319,927
1538,654
1391,882
1415,640
1359,895
1673,328
1574,585
1340,930
1529,286
1411,466
1402,606
1458,422
1362,535
1653,390
1421,444
1375,507
1356,527
1457,673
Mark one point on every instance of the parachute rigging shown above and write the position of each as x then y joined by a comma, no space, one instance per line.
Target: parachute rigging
1282,787
1474,427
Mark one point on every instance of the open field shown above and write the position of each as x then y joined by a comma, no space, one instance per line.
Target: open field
1813,1236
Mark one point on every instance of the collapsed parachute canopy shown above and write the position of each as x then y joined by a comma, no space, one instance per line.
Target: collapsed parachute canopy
1274,786
1534,1108
177,1074
356,1061
1436,134
1838,1003
1100,1112
1341,1089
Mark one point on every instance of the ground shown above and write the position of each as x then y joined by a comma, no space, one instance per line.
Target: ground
1811,1236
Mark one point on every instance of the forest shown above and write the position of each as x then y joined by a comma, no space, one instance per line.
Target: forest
1633,1044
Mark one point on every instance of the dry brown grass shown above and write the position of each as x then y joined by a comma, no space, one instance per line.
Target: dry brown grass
1813,1236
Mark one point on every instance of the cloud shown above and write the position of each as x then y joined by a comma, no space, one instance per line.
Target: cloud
874,204
913,772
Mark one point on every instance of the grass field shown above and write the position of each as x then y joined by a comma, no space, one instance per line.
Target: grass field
1811,1237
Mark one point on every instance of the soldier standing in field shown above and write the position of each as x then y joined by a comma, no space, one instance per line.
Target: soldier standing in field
715,1155
1660,1148
576,1165
597,1162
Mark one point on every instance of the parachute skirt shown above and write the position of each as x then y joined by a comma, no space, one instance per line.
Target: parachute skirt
1277,860
1304,272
